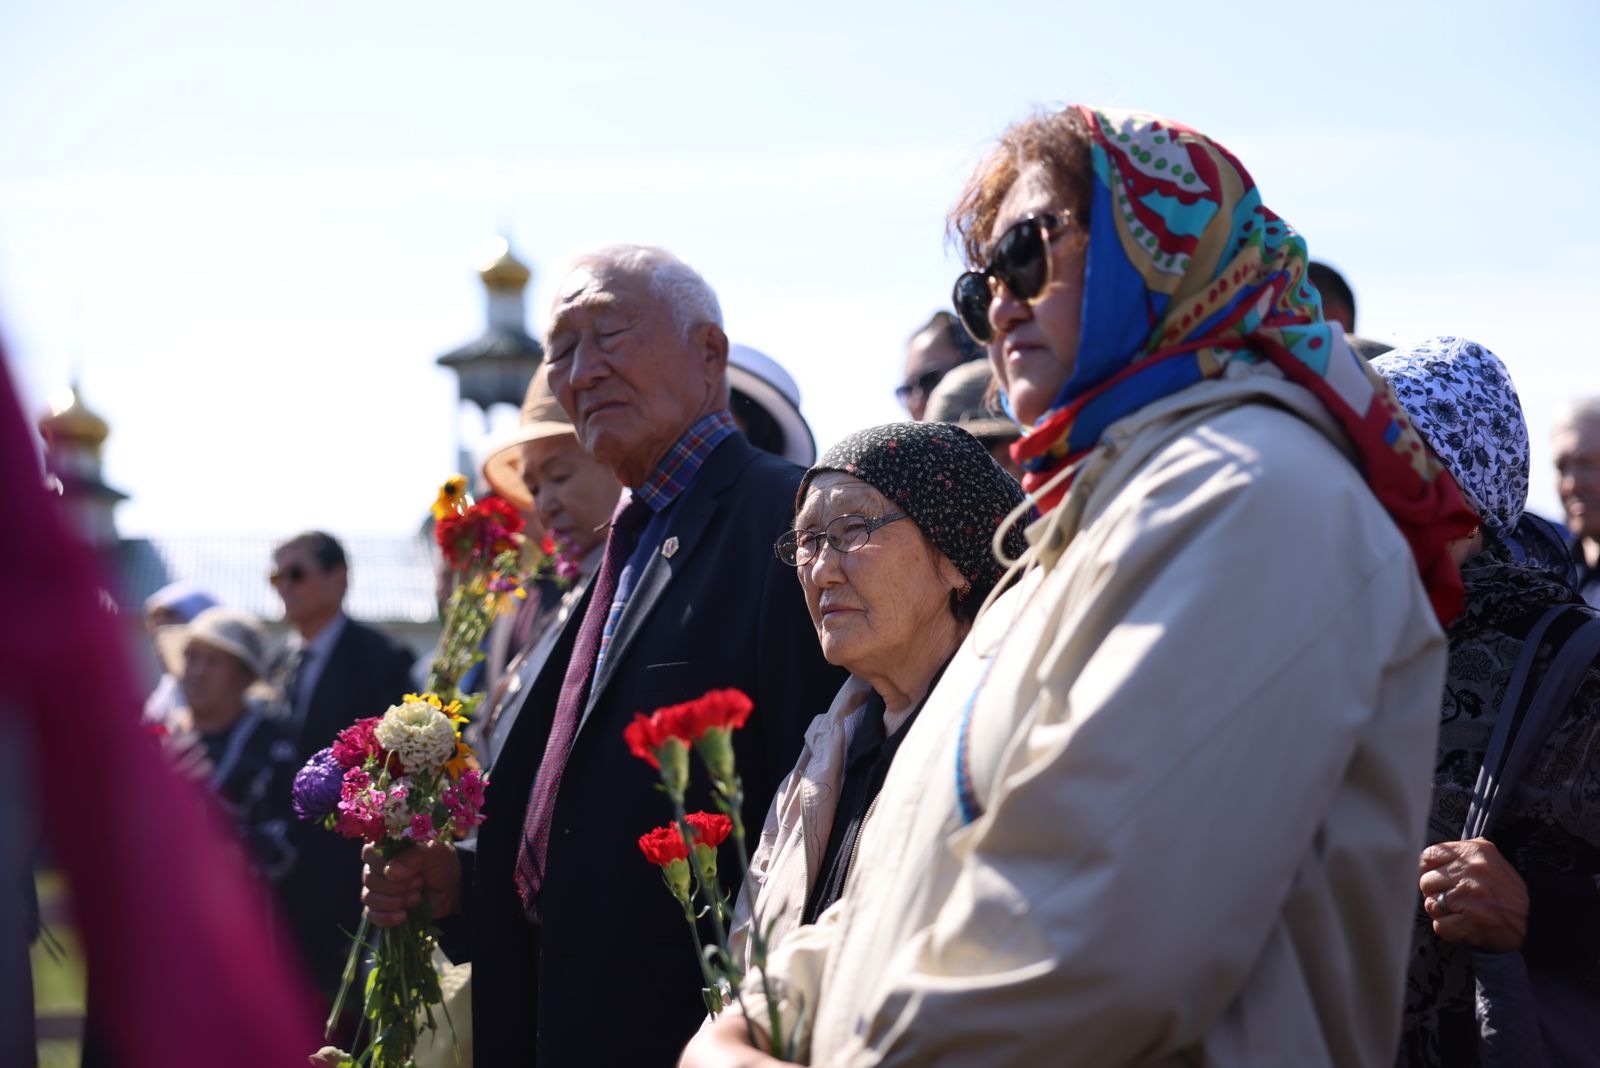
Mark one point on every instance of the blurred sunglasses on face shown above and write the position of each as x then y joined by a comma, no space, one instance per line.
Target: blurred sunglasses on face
293,574
1021,263
922,384
844,534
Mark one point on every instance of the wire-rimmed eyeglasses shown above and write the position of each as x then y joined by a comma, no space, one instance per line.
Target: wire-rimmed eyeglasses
844,534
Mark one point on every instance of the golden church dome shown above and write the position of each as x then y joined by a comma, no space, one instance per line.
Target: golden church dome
71,421
499,267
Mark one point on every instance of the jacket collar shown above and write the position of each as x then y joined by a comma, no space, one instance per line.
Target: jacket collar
687,526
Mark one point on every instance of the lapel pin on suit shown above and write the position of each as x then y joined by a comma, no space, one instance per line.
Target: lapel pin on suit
669,547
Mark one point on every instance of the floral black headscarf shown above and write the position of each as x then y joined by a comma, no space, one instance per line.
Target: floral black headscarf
945,480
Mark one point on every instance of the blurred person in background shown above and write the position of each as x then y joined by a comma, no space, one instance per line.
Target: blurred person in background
331,671
1507,929
546,472
162,907
765,404
172,604
938,345
1339,306
232,748
1576,443
965,397
231,743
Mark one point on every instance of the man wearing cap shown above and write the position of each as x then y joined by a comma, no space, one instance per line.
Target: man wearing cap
568,921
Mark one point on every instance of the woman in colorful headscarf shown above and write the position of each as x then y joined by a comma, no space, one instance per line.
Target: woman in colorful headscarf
1163,805
1509,913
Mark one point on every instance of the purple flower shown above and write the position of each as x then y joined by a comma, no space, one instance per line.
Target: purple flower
317,786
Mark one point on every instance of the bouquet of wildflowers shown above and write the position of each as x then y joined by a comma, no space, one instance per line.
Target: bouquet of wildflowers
491,564
686,849
407,777
393,780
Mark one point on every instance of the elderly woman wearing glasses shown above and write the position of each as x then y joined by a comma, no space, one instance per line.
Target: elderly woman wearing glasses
1163,805
892,547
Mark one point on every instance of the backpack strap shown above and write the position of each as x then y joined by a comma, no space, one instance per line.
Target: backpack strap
1519,733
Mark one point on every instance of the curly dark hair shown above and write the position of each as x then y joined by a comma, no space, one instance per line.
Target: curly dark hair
1061,141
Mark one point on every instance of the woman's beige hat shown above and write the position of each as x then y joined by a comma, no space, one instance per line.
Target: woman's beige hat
542,417
234,632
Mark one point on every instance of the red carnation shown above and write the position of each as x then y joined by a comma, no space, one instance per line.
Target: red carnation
356,742
497,511
664,845
718,710
710,828
668,754
642,738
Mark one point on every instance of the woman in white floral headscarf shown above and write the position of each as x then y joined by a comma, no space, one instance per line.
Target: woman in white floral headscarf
1519,899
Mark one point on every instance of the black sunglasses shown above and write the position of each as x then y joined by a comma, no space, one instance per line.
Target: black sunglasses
293,574
922,383
1021,263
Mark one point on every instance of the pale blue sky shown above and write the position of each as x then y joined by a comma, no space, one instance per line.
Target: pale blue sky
249,227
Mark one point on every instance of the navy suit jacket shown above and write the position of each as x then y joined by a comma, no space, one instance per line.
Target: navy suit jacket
609,975
366,673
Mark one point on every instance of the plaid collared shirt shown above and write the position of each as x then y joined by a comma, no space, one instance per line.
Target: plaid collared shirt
674,474
682,462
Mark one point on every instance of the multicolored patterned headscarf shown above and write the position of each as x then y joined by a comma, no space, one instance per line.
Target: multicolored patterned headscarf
1188,271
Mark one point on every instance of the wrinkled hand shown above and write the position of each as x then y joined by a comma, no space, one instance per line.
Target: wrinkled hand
724,1043
393,886
1474,895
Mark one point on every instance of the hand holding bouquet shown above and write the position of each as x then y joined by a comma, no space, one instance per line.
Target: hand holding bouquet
407,778
396,780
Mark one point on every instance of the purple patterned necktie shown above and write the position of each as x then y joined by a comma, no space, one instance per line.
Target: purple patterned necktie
625,526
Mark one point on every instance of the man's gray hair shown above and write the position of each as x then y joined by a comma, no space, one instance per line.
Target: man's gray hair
690,296
1580,412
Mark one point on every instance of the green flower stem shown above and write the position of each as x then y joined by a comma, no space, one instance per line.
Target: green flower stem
712,891
700,949
349,977
731,801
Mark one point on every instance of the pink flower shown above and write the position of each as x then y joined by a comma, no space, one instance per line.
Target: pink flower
464,801
421,827
360,808
471,786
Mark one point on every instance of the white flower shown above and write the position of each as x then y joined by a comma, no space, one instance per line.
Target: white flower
397,806
421,734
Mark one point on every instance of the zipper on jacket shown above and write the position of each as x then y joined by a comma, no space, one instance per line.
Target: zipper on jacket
855,847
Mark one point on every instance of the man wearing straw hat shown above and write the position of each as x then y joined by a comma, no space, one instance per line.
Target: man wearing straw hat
543,471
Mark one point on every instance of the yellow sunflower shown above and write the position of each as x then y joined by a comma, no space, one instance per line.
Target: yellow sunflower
452,499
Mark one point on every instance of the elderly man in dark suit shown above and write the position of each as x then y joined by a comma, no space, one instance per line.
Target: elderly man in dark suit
331,671
579,954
